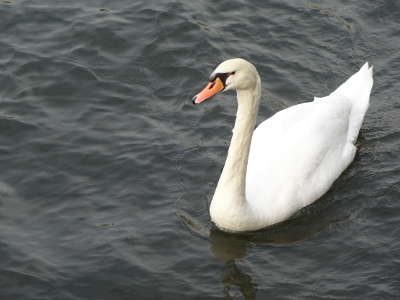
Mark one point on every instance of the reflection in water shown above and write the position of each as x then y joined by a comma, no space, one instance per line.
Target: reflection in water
234,277
229,247
226,246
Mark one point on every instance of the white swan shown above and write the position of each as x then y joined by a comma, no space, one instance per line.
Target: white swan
292,158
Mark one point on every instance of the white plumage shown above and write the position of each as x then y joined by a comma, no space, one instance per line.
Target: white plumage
292,158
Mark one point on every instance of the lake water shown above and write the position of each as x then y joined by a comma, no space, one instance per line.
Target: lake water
107,168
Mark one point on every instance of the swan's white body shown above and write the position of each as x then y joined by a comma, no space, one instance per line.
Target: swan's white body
292,158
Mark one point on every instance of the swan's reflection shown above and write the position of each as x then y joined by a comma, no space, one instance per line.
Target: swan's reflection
231,247
228,248
234,277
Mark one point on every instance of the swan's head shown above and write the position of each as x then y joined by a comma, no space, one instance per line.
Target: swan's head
232,74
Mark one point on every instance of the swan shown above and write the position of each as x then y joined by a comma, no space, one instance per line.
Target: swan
291,159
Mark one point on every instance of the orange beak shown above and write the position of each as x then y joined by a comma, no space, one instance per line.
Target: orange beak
210,90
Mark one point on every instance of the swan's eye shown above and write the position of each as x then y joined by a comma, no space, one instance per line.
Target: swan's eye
232,73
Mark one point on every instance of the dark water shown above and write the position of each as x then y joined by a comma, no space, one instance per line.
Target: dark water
107,169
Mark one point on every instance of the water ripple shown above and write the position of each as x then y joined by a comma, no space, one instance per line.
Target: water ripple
108,170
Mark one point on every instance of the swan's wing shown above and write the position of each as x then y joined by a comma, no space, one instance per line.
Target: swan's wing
296,155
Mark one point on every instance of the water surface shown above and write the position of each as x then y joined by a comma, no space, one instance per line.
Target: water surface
107,169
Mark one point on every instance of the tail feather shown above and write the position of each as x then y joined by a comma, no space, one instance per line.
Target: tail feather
357,90
358,85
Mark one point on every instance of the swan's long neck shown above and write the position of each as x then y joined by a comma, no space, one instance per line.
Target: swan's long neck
232,183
